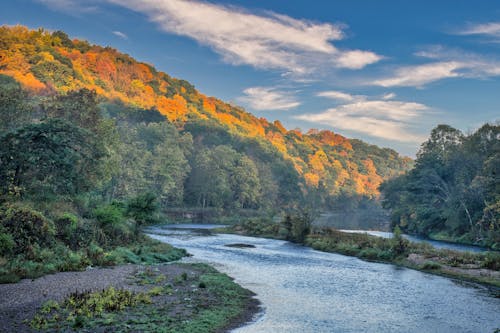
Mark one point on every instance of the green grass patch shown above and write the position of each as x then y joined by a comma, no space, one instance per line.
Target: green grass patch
203,301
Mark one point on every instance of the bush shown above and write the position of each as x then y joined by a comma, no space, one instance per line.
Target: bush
369,253
109,216
491,261
117,230
6,243
399,245
27,228
74,261
142,209
430,265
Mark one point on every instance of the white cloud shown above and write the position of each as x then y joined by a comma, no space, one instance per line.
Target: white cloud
268,98
417,76
390,120
120,34
357,59
389,96
447,63
265,40
71,6
491,29
340,96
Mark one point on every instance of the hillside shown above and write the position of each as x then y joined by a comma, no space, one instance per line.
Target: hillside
320,164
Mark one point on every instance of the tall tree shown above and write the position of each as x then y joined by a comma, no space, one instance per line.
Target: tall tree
49,157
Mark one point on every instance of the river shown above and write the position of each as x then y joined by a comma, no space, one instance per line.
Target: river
303,290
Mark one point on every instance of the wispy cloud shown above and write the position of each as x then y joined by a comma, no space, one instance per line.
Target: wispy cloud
491,29
71,6
419,75
386,119
264,40
340,96
447,63
389,96
268,98
120,34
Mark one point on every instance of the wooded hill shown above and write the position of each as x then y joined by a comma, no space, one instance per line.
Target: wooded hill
205,153
453,192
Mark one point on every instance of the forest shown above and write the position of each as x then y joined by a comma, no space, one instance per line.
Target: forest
453,192
94,145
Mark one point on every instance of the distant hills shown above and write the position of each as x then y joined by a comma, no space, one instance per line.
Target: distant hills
322,165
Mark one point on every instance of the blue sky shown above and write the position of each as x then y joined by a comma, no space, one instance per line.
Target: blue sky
383,71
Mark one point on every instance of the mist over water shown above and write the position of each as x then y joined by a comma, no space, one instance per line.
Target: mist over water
303,290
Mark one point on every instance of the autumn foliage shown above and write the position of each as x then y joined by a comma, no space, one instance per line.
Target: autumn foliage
45,63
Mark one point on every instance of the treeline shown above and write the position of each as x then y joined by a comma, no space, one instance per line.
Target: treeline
93,145
453,193
319,165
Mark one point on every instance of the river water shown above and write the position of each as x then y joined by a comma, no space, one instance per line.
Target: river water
303,290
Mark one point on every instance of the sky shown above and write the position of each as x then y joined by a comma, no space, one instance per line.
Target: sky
385,71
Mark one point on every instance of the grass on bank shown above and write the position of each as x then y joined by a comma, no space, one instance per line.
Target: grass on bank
200,299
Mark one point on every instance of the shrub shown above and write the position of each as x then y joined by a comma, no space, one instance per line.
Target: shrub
6,242
117,230
74,261
142,209
430,265
399,245
369,253
109,216
491,261
27,227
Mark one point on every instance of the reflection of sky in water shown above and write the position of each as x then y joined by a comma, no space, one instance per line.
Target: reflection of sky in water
303,290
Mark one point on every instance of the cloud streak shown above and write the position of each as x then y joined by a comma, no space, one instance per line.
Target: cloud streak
340,96
418,76
268,98
265,40
120,34
491,29
71,6
386,119
446,63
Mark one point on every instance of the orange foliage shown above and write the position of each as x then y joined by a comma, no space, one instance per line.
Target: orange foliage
208,104
279,126
106,69
30,82
318,161
311,179
117,76
175,109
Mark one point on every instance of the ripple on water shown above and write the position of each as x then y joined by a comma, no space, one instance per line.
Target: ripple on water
303,290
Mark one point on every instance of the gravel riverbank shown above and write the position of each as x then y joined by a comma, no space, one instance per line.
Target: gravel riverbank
19,302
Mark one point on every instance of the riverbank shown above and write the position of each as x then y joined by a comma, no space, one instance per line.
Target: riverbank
483,268
171,297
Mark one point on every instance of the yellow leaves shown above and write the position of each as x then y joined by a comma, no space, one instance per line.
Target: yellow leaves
30,82
279,126
45,56
143,72
311,179
137,85
174,109
318,161
278,141
208,104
